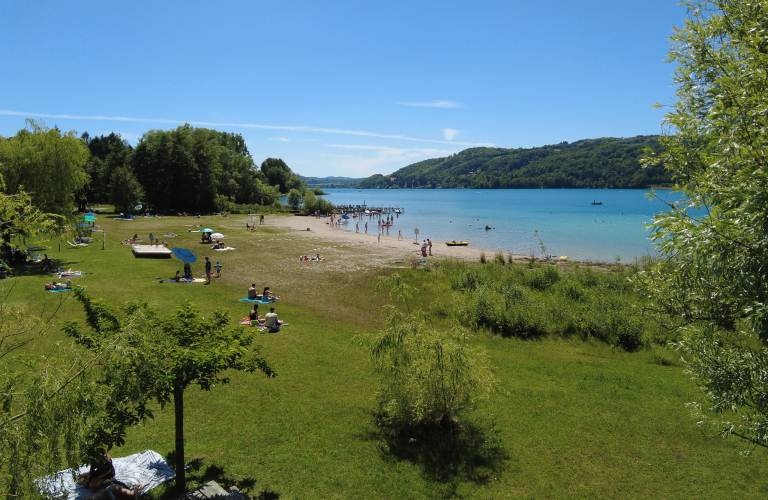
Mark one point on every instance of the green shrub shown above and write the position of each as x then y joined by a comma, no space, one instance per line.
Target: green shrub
512,292
589,278
570,290
487,309
499,258
468,279
482,258
542,278
524,321
425,375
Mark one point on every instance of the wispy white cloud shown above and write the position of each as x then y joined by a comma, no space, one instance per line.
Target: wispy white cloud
433,104
449,133
281,139
294,128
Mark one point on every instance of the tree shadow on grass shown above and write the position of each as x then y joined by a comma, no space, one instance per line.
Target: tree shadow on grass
448,453
198,474
34,269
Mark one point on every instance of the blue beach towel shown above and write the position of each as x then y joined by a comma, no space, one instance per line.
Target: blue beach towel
260,301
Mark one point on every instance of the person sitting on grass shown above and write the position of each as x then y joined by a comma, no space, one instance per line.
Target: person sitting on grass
46,264
101,470
187,270
271,321
177,278
253,316
267,294
252,292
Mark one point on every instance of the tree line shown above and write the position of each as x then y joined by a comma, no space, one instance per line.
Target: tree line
183,169
589,163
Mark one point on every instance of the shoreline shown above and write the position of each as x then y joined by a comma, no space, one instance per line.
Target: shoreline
389,244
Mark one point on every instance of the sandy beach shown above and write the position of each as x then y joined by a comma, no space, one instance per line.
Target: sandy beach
389,247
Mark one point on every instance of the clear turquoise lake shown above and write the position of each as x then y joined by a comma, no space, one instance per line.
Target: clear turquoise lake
564,220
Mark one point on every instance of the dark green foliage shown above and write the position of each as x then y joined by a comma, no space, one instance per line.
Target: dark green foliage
542,278
591,163
279,175
524,320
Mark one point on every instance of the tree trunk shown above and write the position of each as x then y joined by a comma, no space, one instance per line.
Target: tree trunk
178,408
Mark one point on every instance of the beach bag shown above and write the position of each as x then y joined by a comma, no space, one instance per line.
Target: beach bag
275,328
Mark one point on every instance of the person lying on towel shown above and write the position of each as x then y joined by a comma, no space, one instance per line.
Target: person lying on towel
117,490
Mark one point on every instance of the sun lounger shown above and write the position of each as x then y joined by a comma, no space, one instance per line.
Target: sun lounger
77,245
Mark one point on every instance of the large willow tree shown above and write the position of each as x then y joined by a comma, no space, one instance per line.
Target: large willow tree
714,280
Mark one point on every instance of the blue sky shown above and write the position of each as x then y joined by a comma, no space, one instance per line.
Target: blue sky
346,88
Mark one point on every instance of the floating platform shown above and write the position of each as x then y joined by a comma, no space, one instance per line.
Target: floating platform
151,251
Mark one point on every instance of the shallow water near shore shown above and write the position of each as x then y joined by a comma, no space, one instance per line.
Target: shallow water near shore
524,221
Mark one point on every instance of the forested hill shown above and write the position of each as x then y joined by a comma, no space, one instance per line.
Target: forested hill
591,163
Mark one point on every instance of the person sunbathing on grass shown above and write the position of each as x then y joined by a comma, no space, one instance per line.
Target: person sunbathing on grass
101,470
117,490
267,294
252,292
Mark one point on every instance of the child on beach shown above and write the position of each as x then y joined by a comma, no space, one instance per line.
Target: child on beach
218,269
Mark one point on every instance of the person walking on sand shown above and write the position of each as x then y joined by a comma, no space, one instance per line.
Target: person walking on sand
357,227
399,235
429,245
208,270
218,266
366,228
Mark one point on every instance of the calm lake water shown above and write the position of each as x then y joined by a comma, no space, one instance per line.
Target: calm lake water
563,220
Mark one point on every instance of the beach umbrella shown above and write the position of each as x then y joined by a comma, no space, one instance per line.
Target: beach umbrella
184,254
82,225
89,219
218,236
90,213
206,230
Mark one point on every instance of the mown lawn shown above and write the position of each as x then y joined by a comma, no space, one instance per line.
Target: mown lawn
569,418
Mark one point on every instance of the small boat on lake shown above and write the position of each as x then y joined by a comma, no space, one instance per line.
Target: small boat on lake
455,243
595,202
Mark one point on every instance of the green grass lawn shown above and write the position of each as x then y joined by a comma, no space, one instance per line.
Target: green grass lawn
568,419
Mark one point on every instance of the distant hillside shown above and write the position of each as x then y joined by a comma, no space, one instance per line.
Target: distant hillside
590,163
331,182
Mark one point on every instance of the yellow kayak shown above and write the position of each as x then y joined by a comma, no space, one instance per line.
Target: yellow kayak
457,243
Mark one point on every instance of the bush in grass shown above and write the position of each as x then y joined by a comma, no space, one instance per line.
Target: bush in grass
570,290
425,375
512,292
542,278
467,279
588,278
487,308
524,321
499,258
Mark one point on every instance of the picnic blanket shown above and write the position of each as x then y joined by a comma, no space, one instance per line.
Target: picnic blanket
144,467
70,274
194,280
223,249
261,322
260,301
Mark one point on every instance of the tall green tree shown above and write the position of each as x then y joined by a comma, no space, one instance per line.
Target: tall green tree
125,190
107,154
713,282
46,164
161,357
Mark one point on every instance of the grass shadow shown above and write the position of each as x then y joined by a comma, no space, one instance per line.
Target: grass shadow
198,474
34,269
447,454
